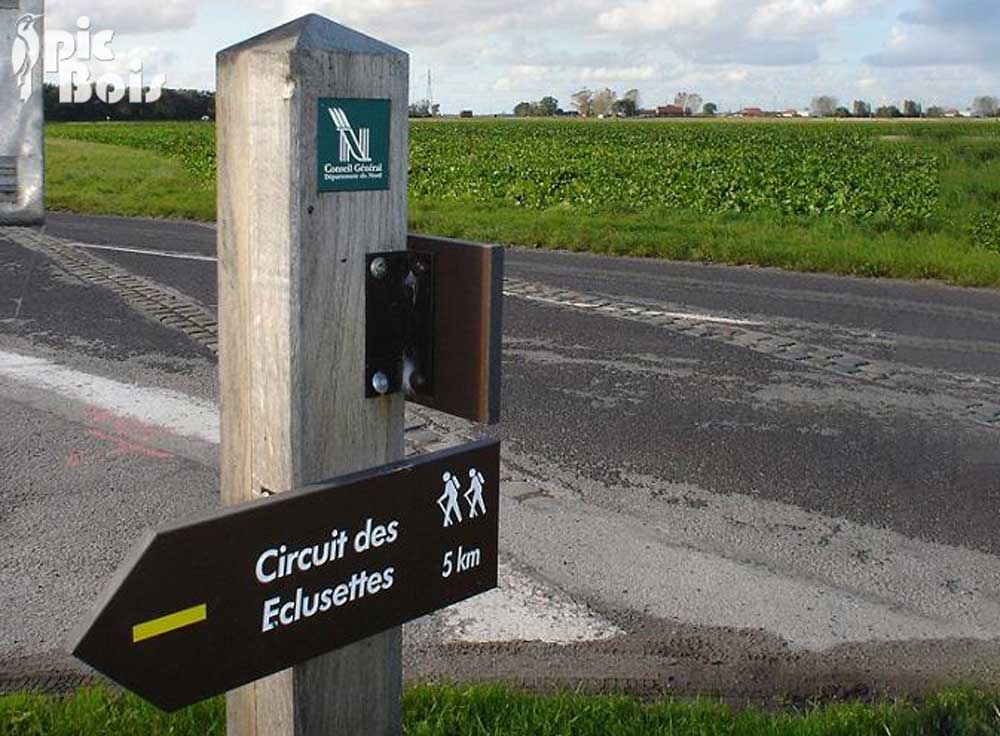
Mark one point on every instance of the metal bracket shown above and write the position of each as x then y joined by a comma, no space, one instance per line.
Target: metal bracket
399,324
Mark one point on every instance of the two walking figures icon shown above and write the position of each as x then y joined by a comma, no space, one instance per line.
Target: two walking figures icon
473,497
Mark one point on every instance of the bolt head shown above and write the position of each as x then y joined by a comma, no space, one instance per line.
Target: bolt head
380,382
379,268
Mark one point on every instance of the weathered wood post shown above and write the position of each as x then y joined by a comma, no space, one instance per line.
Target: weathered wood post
312,146
22,116
329,315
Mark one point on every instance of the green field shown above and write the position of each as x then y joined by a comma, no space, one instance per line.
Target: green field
493,711
903,199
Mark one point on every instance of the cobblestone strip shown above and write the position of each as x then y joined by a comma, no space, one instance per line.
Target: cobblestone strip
748,337
174,309
169,307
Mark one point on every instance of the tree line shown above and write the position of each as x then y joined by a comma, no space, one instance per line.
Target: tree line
605,102
173,104
827,106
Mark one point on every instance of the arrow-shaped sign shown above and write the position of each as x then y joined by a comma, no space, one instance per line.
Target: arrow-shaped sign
205,606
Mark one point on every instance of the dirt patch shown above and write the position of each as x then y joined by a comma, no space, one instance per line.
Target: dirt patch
664,659
658,659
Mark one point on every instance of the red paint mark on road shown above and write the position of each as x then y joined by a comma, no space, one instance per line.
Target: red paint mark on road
75,459
122,437
124,426
123,446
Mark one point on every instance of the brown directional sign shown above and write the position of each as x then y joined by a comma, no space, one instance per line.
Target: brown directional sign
205,606
468,327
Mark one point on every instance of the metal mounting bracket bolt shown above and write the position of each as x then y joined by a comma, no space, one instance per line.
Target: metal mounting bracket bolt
399,328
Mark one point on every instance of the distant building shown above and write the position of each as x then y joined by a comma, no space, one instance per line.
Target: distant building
670,111
465,114
789,114
752,112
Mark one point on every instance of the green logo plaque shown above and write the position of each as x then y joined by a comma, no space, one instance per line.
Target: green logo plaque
353,144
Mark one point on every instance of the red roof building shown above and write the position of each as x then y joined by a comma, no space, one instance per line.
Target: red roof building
670,111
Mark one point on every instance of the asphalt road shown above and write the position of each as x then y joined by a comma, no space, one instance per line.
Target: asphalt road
606,397
726,480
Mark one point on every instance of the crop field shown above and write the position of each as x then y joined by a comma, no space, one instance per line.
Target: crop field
800,169
921,194
193,144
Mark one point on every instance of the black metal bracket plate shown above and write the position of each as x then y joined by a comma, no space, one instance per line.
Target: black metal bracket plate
399,323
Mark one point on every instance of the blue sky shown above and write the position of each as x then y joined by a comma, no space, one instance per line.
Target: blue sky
488,55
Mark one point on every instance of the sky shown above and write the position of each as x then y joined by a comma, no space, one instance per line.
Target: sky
488,55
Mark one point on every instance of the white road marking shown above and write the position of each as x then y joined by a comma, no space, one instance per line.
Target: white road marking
147,252
737,562
605,307
180,414
521,609
693,316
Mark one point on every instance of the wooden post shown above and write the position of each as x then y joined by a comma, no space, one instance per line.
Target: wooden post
292,313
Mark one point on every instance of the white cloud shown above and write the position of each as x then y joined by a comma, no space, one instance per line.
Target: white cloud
417,23
124,16
897,38
524,77
656,16
768,32
602,73
155,60
943,33
489,54
795,18
762,32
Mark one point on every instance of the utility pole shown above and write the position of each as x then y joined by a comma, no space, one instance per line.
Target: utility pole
430,94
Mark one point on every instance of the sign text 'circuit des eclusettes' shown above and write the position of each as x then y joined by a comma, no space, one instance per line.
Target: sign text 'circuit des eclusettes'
208,605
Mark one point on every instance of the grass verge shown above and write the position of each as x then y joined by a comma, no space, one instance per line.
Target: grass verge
96,178
828,245
488,711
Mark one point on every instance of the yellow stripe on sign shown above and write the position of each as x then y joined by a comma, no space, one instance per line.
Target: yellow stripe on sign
166,624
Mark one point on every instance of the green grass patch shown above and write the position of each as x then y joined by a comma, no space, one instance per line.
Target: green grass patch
98,712
95,178
190,144
831,245
912,200
497,711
